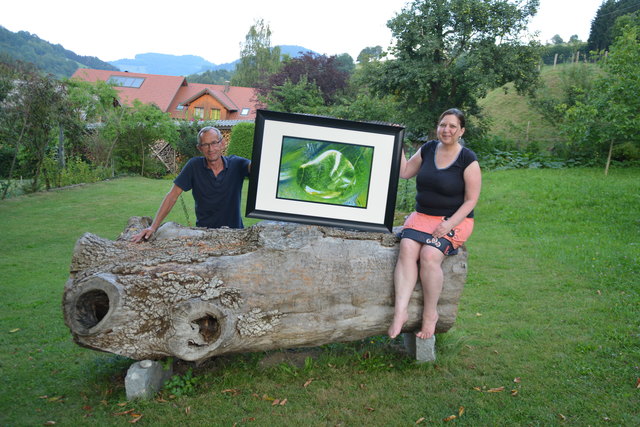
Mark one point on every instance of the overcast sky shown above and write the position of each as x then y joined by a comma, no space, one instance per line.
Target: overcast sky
118,29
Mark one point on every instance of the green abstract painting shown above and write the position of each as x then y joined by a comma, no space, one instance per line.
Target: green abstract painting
324,172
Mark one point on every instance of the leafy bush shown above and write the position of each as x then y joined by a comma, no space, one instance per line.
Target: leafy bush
501,160
76,171
182,385
186,143
241,143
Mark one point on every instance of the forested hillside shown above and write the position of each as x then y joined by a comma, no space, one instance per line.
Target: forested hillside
54,59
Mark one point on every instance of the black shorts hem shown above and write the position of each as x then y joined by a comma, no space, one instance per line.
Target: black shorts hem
443,245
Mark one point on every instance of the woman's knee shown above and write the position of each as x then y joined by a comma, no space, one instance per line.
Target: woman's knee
431,257
409,250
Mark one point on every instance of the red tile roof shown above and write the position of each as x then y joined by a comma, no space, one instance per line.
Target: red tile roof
167,92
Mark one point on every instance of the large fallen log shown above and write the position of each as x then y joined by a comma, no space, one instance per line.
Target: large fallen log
195,293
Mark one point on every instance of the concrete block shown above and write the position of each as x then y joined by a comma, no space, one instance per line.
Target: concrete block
145,378
422,350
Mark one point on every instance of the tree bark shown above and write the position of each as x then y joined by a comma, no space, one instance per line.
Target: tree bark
606,167
194,293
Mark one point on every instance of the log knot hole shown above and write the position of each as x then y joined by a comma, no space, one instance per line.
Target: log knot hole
91,308
208,328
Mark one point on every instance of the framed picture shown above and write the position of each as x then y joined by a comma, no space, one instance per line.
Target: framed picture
324,171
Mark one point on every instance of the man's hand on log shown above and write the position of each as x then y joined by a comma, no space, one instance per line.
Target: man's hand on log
145,234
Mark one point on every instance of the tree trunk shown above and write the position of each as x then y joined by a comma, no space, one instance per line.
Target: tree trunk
194,293
606,168
13,161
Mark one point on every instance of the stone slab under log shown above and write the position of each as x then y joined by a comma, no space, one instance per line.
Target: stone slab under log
194,293
423,350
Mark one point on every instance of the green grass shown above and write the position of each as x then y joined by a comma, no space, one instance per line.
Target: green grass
552,299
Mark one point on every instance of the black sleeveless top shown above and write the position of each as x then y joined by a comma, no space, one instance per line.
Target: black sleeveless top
440,192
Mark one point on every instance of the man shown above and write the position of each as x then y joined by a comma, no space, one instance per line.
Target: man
216,181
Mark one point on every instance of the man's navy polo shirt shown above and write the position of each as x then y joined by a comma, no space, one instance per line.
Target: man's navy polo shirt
217,197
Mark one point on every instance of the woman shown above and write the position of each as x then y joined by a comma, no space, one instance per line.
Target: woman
448,186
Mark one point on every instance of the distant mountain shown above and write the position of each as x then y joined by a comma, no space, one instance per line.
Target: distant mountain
184,65
293,51
54,59
168,65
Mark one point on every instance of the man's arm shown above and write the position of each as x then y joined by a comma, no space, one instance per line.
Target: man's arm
164,209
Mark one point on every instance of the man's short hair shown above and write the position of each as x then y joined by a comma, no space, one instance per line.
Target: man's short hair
208,129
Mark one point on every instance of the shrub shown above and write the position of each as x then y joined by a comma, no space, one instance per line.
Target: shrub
76,171
187,139
241,143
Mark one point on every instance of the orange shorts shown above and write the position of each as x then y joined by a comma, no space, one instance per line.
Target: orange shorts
427,223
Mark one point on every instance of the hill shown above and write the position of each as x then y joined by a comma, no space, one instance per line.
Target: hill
514,119
183,65
54,59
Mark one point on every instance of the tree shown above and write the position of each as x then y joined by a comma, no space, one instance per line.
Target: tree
557,39
258,60
320,70
370,54
608,117
211,77
140,127
360,103
601,34
450,53
563,52
33,106
302,96
88,103
344,62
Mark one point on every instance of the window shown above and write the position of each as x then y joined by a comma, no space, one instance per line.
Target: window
180,107
198,112
214,114
124,81
244,112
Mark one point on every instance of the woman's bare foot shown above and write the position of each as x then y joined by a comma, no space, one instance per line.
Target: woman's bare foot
398,322
428,326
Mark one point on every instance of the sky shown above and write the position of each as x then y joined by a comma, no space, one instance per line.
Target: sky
118,29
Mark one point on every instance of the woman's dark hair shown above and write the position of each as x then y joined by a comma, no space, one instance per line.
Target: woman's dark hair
454,112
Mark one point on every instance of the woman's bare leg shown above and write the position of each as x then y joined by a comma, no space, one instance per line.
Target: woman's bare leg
431,277
405,277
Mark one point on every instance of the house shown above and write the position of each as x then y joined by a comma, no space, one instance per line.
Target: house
182,100
228,105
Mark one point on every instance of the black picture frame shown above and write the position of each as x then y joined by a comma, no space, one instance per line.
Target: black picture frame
349,177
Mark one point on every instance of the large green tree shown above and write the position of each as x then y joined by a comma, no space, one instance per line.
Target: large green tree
258,60
450,53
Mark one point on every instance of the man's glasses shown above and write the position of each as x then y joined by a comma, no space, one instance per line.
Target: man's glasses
213,144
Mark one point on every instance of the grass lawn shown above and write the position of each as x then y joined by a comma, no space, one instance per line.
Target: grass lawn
548,331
